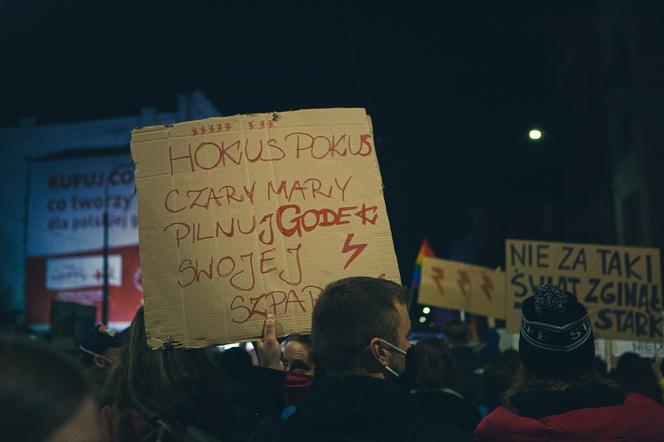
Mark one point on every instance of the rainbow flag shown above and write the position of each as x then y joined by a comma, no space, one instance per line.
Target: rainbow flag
441,315
425,250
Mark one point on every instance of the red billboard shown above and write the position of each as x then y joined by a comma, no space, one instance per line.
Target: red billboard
67,239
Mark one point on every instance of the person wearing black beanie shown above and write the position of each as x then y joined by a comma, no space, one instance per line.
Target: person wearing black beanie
556,339
556,394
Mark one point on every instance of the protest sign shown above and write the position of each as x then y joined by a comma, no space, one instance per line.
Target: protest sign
620,286
462,286
253,214
643,349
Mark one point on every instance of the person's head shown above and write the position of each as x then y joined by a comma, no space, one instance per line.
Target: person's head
299,366
101,348
635,375
173,387
497,378
556,346
457,333
297,356
436,367
43,396
556,339
360,325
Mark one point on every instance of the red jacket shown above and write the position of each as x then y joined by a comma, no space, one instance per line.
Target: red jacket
637,419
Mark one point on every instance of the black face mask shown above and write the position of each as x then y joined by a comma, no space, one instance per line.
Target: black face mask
409,376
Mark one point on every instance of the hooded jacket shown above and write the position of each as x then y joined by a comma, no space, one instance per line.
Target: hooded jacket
587,413
360,408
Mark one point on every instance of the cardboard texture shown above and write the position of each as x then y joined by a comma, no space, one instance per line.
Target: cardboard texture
643,349
246,215
620,286
461,286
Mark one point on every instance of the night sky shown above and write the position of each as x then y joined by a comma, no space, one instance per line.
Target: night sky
452,89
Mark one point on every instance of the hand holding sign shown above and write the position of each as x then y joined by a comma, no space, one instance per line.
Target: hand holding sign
267,348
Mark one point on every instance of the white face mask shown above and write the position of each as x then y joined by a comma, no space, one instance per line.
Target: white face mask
398,350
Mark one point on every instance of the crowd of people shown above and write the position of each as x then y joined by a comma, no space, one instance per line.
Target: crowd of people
357,377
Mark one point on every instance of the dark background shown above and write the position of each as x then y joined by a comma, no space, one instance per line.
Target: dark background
452,87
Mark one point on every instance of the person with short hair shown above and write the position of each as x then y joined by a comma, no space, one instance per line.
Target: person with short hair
43,396
556,394
435,382
457,336
359,333
635,375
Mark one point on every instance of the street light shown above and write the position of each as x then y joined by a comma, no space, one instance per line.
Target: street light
535,134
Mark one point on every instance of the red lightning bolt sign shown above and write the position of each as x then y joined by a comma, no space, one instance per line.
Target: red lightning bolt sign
438,276
487,286
463,281
357,249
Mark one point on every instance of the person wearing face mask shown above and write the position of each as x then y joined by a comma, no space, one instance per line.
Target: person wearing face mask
300,370
359,334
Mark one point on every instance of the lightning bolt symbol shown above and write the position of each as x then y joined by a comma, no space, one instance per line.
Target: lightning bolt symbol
487,286
463,281
357,249
438,276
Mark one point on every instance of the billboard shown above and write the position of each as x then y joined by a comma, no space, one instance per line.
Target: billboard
67,200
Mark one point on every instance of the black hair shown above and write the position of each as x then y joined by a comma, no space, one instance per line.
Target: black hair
635,375
457,331
525,380
40,390
436,367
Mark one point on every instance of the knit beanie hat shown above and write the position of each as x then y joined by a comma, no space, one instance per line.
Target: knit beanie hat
556,334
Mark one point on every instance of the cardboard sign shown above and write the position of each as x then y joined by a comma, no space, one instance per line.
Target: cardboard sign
462,286
643,349
620,286
251,214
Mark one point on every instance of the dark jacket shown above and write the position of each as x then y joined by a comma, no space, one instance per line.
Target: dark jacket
359,408
450,409
588,413
262,399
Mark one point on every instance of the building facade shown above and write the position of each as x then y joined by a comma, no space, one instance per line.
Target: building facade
22,145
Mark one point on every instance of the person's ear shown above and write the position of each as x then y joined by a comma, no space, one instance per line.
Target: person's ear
379,352
99,361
